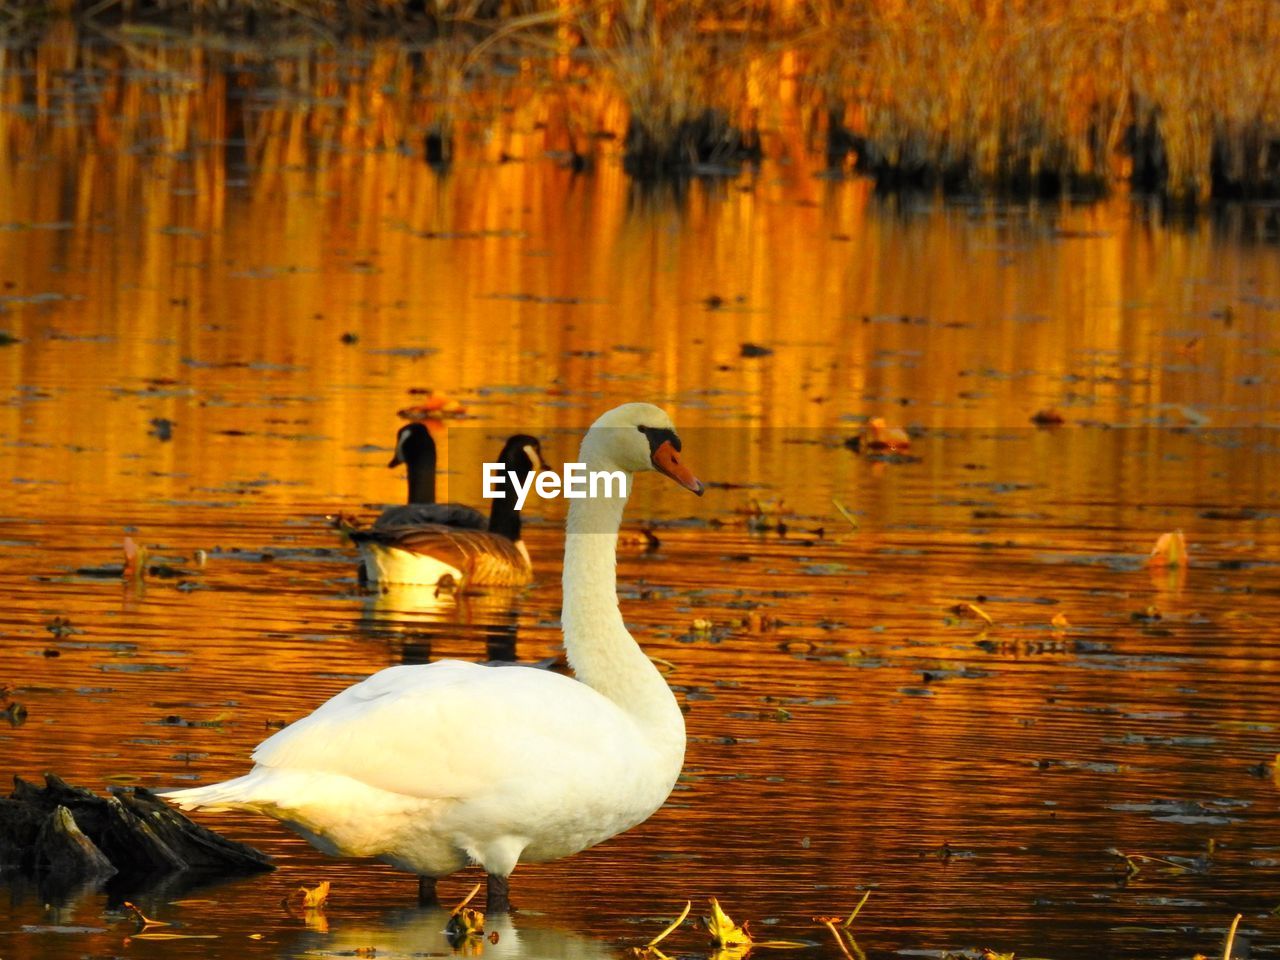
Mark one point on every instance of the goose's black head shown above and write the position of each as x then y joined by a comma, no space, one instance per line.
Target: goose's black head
414,445
522,455
415,448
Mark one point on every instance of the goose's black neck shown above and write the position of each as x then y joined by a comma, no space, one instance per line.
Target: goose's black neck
504,518
521,458
422,477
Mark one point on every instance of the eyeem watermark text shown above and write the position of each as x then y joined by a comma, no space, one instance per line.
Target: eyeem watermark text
577,483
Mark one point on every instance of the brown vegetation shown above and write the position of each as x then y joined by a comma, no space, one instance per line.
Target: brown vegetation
1024,96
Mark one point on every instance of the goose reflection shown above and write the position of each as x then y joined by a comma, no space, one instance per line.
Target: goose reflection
420,931
411,617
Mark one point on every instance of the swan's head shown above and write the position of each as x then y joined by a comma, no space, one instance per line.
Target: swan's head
636,437
413,444
522,455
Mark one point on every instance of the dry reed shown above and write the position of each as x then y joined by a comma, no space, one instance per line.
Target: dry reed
1043,96
676,76
1034,96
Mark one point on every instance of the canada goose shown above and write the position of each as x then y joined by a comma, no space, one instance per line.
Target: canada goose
426,553
416,449
434,767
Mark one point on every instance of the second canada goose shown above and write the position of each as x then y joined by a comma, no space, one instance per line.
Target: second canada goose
427,553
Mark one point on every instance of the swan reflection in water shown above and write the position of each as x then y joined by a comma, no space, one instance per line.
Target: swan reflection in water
421,931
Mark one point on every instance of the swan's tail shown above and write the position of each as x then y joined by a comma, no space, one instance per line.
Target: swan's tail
237,794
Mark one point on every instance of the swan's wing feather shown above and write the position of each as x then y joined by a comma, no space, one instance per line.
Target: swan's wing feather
445,514
452,729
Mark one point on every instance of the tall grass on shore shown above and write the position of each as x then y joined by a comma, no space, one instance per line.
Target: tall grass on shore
1184,99
1176,97
678,81
1206,82
959,98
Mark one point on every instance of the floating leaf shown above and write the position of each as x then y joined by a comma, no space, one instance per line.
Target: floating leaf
135,560
463,921
436,406
878,435
1170,550
1060,622
724,932
314,897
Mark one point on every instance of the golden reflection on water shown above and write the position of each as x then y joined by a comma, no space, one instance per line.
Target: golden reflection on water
172,251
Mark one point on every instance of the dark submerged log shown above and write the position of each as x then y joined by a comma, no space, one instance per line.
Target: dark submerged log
65,854
65,835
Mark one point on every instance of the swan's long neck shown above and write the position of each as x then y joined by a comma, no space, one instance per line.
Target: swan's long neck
601,651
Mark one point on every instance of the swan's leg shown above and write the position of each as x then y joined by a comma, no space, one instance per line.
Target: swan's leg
497,894
427,892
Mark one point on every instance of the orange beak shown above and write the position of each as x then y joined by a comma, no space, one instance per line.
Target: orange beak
666,459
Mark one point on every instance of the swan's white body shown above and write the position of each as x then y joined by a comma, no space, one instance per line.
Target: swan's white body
433,767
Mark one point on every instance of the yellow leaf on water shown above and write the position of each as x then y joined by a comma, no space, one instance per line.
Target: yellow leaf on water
1060,622
724,932
135,559
1170,550
465,922
879,435
436,406
313,897
174,936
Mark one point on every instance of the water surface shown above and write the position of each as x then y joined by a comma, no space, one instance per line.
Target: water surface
278,299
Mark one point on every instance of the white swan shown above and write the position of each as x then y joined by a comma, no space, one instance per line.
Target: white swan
434,767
